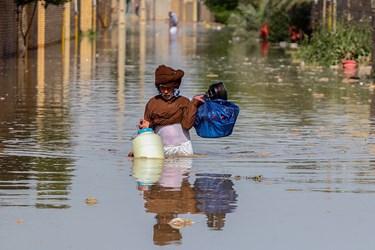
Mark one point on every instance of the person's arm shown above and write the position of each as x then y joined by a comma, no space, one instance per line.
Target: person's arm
145,122
191,111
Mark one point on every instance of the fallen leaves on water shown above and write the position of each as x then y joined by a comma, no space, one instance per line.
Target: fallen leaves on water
91,201
178,223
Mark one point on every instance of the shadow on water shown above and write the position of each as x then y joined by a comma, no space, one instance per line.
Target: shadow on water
298,166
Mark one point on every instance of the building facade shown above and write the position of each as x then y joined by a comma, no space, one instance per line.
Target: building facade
22,28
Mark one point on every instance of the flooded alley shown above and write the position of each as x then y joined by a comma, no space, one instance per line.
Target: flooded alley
298,171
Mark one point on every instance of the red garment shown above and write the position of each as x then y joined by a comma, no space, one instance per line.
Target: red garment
264,32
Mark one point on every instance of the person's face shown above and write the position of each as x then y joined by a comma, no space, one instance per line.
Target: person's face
167,93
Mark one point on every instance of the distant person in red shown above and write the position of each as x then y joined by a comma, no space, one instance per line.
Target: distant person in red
295,34
264,32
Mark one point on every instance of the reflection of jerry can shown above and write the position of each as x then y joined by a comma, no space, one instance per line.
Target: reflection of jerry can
147,171
148,144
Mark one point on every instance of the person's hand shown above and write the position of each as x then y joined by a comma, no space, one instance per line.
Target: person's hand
143,124
200,98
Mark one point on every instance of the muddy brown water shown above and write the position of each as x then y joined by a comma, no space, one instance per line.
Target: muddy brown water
298,172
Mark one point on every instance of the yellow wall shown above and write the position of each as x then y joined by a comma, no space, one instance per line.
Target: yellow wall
86,15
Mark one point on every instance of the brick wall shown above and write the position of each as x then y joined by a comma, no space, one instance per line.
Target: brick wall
10,37
53,26
8,30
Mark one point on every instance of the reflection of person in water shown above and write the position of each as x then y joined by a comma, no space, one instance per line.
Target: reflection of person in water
264,49
164,234
174,172
171,197
216,197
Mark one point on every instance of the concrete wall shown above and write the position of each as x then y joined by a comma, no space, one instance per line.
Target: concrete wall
162,7
204,15
186,10
353,9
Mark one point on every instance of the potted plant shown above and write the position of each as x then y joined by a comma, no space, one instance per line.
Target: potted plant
349,62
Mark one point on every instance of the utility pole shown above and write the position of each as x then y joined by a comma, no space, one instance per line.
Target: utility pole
334,15
143,10
122,13
324,12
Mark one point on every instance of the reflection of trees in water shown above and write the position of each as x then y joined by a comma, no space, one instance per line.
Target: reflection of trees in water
216,197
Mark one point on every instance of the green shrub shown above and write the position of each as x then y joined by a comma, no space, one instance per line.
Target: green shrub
221,9
279,26
351,40
221,16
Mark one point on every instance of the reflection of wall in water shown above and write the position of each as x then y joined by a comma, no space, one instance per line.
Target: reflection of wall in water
36,108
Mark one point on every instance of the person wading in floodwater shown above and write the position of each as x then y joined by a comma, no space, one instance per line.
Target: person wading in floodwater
169,114
173,22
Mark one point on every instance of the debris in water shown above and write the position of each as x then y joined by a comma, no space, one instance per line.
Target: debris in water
20,221
91,201
257,178
178,223
211,75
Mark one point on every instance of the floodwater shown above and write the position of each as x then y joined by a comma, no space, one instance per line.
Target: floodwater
298,171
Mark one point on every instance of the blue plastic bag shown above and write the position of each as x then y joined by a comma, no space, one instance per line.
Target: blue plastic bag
216,118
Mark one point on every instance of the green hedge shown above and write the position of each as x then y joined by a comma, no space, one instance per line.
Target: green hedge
351,40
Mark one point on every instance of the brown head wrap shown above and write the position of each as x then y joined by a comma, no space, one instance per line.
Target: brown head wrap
167,77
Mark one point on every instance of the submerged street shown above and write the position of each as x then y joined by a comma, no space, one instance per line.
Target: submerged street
298,171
